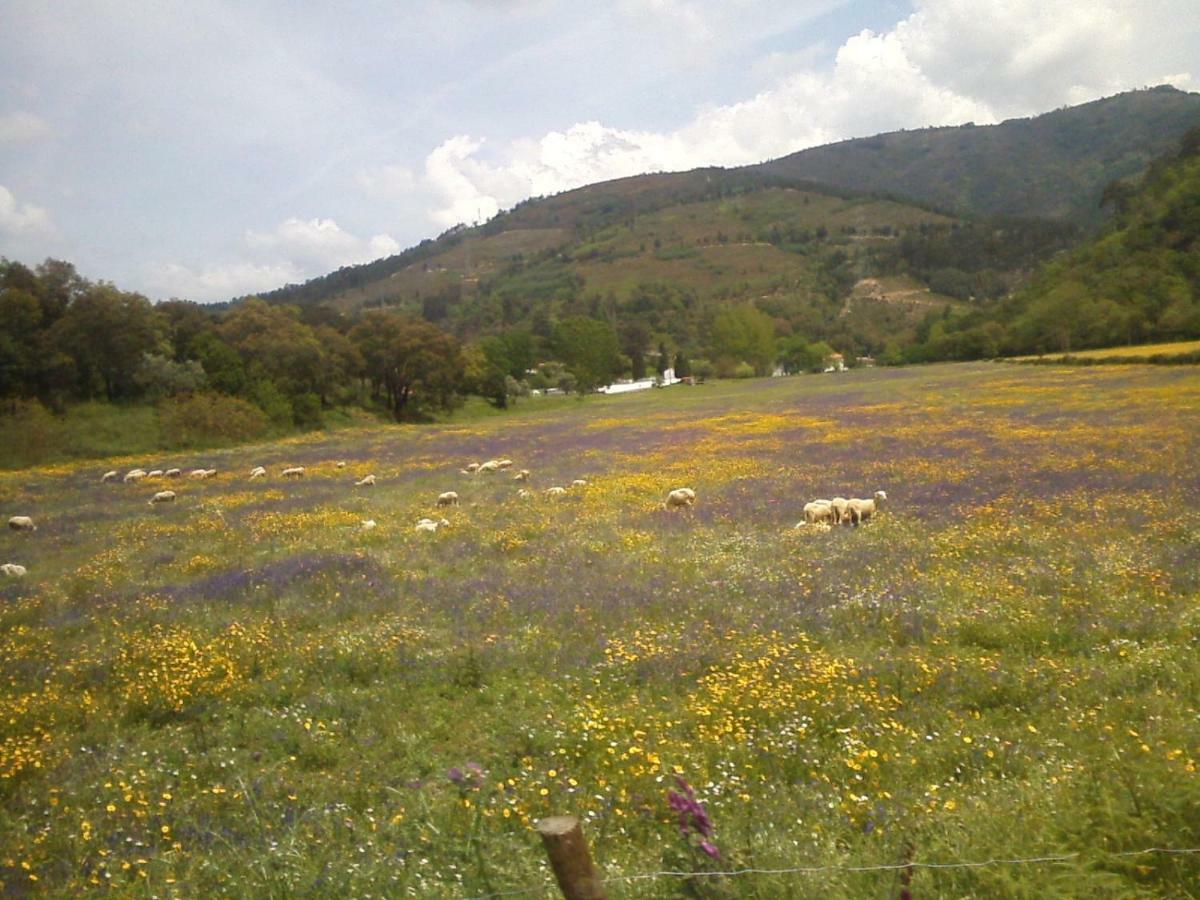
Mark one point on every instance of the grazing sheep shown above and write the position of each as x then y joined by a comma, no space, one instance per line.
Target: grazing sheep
839,509
492,465
341,464
293,472
163,497
524,494
818,511
556,492
12,570
209,473
155,473
578,482
21,523
523,475
450,498
173,473
109,476
680,497
471,469
504,464
366,481
134,475
198,474
258,472
859,511
368,524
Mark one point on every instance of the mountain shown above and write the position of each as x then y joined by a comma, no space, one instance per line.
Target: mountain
828,242
1052,166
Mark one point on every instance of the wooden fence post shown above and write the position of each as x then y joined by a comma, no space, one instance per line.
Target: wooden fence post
570,859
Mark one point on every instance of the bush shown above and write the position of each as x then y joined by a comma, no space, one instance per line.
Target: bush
204,419
273,402
26,429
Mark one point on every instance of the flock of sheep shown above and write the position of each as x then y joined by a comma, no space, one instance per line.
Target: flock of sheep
819,513
840,511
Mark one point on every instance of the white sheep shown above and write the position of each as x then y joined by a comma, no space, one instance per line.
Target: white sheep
109,476
471,469
504,464
258,472
293,472
12,570
859,511
524,494
155,473
21,523
430,525
173,473
817,511
163,497
579,482
450,498
556,492
198,474
523,475
839,509
491,465
341,464
134,475
366,481
209,473
680,497
368,525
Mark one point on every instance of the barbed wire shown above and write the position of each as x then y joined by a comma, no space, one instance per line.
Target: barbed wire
882,867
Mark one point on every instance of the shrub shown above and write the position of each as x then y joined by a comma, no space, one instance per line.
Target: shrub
202,419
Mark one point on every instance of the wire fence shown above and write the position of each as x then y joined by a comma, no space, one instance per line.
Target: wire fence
827,869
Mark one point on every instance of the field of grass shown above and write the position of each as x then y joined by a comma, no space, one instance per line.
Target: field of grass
1166,351
244,693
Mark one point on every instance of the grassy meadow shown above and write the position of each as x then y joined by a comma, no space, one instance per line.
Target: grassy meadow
244,693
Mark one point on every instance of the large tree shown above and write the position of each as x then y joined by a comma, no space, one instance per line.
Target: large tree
590,351
744,334
411,364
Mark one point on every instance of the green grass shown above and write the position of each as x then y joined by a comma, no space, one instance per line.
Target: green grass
244,693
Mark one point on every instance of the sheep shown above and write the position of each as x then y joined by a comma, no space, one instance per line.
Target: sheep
839,509
341,464
524,494
450,498
368,524
859,511
209,473
491,465
163,497
198,474
504,464
173,473
817,511
21,523
523,475
680,497
293,472
578,482
471,469
430,525
555,492
134,475
258,472
155,473
366,481
109,476
12,570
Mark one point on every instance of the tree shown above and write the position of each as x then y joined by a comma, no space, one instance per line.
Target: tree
633,338
590,351
743,334
106,332
412,365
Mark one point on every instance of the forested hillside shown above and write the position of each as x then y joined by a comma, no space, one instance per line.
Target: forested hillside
1052,166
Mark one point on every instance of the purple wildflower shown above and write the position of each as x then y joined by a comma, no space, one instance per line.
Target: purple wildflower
692,814
456,775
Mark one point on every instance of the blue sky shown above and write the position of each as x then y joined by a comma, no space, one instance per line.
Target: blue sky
210,149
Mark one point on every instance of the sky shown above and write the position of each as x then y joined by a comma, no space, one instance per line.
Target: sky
214,148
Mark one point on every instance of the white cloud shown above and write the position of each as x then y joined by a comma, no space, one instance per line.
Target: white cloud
296,250
20,127
949,62
319,245
21,220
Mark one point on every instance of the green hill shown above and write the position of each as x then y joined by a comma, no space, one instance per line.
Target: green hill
1052,166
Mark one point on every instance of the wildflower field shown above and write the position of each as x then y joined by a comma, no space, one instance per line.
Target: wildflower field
244,693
